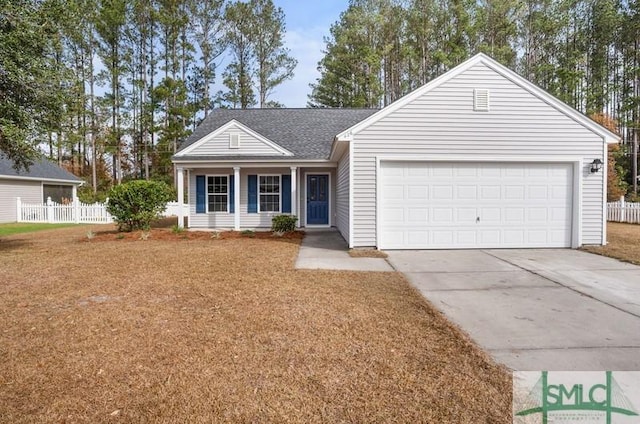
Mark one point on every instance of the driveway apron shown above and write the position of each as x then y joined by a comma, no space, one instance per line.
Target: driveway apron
535,309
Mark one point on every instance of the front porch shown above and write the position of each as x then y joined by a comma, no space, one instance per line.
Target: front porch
242,196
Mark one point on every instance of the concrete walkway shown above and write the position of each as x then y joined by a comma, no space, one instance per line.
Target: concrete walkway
326,249
545,309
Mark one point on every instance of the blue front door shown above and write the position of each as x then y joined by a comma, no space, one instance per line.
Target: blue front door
317,200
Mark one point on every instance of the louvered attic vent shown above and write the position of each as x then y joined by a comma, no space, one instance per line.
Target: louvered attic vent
234,141
481,100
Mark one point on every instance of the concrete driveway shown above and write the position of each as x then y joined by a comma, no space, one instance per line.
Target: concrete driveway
544,309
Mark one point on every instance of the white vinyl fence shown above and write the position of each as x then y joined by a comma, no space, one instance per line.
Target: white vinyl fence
174,207
622,211
76,212
55,213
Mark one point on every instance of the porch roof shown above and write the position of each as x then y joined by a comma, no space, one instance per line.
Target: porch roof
245,158
307,133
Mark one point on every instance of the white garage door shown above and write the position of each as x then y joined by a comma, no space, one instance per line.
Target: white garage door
441,205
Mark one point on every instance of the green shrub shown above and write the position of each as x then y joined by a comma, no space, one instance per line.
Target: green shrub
283,223
177,229
135,204
248,233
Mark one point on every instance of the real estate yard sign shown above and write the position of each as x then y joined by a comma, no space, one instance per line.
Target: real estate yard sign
576,397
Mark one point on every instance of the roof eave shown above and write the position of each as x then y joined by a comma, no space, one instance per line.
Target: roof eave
53,180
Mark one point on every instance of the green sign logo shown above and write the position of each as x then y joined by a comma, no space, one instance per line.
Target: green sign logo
605,397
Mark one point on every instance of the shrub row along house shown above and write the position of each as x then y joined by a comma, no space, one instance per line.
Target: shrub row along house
477,158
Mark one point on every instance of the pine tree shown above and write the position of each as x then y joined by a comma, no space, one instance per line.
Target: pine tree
28,96
207,29
240,37
350,70
274,64
497,29
110,24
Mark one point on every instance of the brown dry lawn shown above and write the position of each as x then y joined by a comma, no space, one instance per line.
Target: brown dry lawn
623,242
224,330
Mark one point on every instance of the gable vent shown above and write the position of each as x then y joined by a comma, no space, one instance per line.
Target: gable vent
481,100
234,141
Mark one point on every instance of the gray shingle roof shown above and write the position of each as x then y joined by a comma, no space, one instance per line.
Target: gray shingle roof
307,133
41,168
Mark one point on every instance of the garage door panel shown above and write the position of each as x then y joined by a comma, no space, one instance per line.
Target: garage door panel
394,216
442,192
418,216
538,192
514,192
394,191
491,215
466,171
442,237
467,214
469,238
467,192
416,191
537,214
490,192
468,205
441,171
512,171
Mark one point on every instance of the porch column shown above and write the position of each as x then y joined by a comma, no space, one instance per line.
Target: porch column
180,184
236,198
74,191
294,190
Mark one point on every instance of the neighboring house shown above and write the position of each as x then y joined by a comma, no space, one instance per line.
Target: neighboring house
43,179
477,158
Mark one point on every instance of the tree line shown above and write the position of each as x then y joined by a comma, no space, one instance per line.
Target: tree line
110,87
585,52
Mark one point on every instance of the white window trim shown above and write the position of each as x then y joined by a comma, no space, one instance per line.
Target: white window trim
279,192
228,194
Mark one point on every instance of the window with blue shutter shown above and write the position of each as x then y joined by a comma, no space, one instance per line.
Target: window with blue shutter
286,193
201,196
252,193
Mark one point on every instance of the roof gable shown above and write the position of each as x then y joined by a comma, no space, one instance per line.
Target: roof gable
480,58
306,133
218,143
40,169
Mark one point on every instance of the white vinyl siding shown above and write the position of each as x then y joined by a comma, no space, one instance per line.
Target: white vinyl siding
28,191
442,123
342,196
223,220
249,145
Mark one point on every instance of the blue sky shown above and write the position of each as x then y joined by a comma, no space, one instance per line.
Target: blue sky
307,23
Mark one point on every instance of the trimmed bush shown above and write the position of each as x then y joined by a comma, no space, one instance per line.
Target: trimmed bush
283,223
135,204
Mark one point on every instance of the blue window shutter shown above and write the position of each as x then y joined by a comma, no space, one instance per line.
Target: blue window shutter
232,191
252,187
201,197
285,191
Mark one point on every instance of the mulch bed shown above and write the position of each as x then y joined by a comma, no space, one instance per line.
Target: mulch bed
170,235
